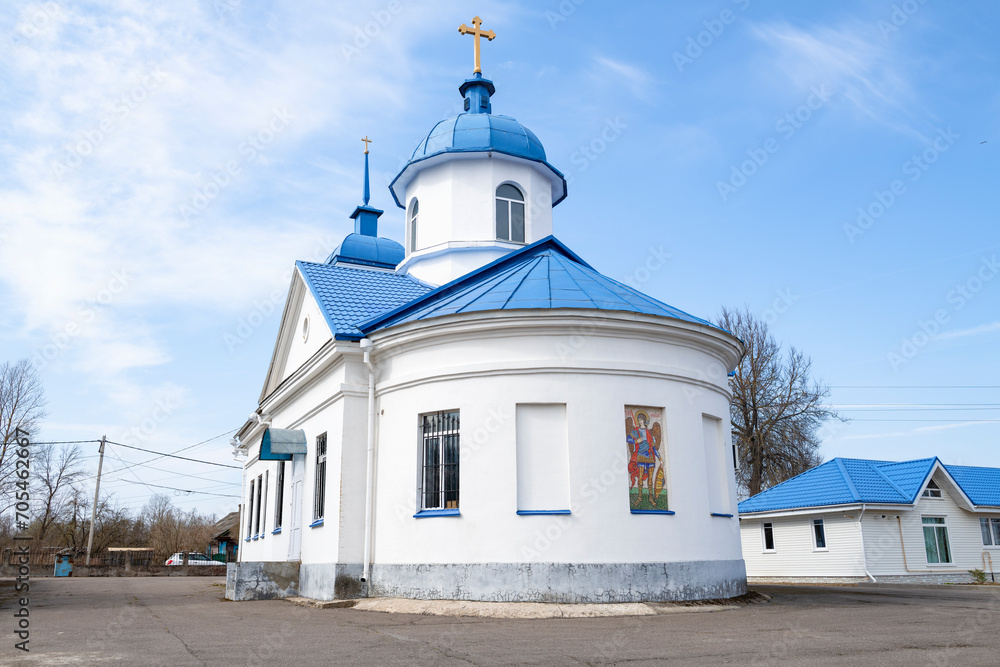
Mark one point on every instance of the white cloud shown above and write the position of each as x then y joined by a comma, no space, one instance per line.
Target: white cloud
992,327
854,62
615,72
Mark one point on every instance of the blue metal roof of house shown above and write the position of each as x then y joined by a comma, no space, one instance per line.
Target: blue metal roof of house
849,481
545,274
348,295
981,485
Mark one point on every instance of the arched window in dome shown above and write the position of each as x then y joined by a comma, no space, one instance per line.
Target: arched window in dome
413,214
510,214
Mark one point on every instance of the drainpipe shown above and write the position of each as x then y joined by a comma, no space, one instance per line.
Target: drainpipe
864,555
366,345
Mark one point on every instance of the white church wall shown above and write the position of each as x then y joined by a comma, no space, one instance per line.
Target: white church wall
542,457
457,210
595,380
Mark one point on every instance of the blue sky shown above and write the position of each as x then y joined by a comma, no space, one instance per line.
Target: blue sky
164,164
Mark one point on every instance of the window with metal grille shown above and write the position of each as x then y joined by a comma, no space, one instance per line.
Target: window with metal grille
320,490
510,214
279,495
440,443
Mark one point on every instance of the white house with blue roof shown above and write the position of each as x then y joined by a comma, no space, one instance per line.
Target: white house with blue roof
860,520
479,413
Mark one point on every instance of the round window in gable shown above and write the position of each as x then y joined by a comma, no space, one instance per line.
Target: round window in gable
305,328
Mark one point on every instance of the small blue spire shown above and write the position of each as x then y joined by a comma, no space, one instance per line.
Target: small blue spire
368,194
365,217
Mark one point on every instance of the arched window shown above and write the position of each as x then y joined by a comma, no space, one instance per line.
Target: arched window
413,215
510,214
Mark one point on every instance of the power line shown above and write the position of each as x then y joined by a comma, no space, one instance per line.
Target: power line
174,456
160,455
174,488
968,421
62,442
915,386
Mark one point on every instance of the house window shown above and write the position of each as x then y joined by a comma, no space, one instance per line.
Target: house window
991,532
250,510
413,215
510,214
819,535
932,490
260,485
320,489
279,495
440,441
936,540
768,535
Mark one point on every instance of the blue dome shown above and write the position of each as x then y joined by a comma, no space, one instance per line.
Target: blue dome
474,132
368,251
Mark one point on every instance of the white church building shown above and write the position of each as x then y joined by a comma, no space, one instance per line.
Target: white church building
478,413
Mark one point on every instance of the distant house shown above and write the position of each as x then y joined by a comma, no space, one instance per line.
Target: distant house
856,519
226,537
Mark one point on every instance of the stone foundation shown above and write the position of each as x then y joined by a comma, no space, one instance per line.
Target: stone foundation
261,580
914,578
561,582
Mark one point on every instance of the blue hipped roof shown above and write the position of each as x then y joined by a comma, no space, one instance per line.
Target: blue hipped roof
348,296
545,274
849,481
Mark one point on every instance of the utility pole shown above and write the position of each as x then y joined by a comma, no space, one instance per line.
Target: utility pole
97,490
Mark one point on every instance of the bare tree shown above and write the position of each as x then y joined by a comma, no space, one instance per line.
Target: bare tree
22,407
56,470
776,408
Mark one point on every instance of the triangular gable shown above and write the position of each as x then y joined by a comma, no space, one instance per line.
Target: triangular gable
543,275
298,302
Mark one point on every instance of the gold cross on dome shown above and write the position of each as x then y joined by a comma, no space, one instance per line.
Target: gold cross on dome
476,34
367,141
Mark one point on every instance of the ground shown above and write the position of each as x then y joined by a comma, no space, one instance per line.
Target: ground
181,621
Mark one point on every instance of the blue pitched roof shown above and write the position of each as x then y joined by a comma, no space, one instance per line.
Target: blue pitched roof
981,485
843,482
348,295
545,274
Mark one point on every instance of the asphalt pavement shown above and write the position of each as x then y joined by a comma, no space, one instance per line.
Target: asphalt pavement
180,621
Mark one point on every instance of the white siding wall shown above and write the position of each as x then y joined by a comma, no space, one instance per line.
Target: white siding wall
882,539
794,555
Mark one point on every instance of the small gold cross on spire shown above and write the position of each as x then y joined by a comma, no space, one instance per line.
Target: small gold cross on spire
476,34
367,141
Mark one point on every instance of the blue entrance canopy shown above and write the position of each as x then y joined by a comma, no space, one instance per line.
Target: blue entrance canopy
279,444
